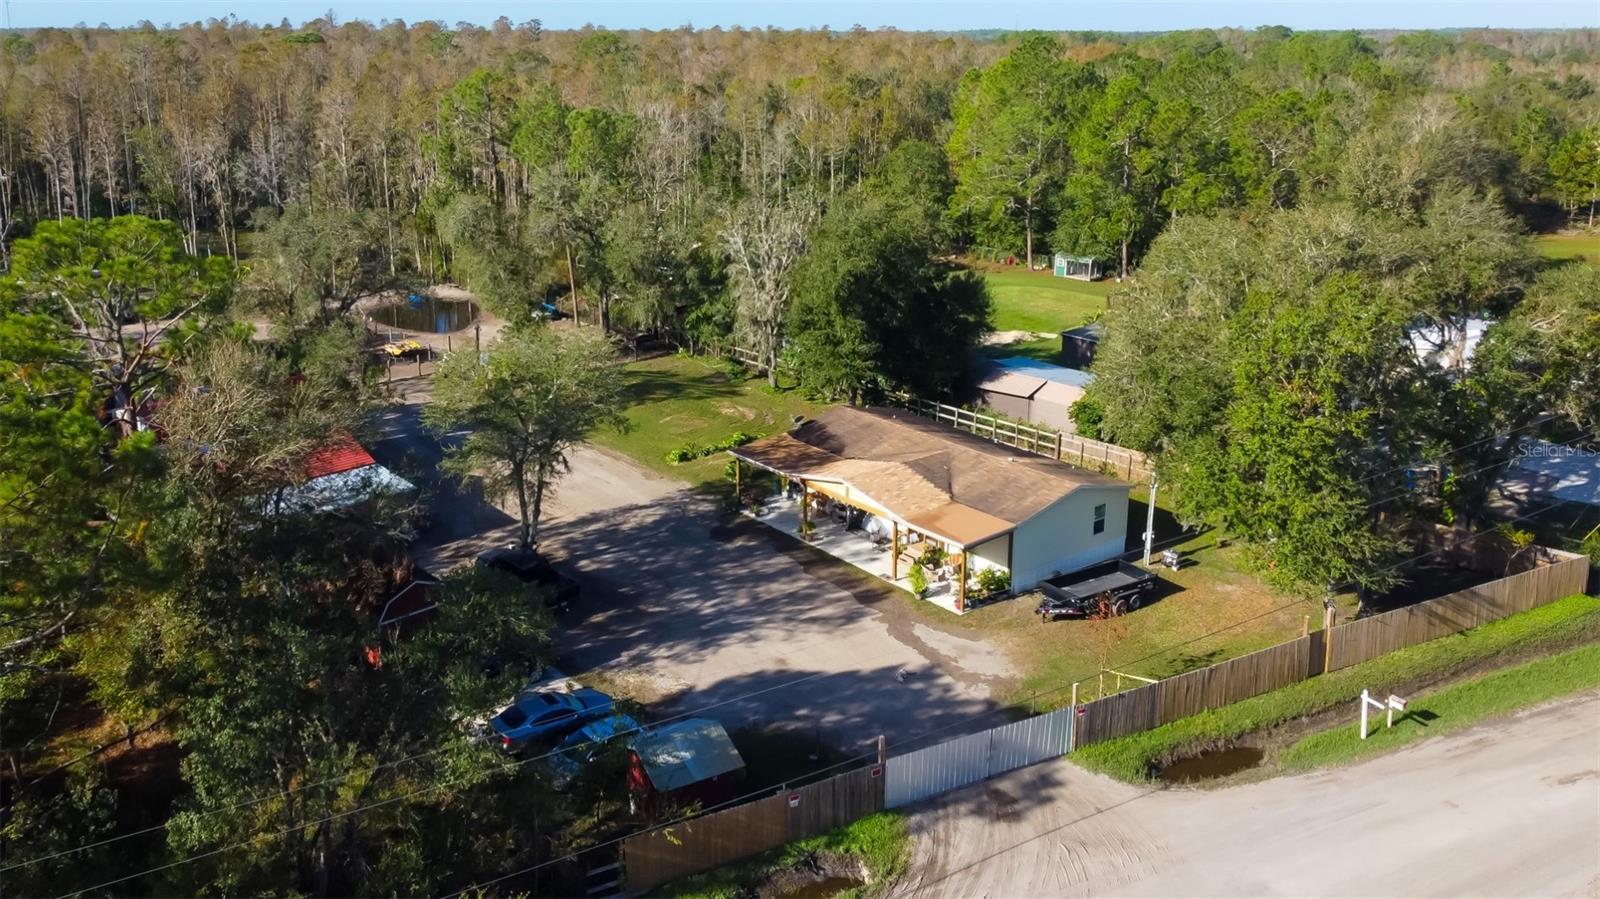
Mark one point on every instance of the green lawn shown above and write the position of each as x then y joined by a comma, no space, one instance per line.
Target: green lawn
677,400
1213,609
1453,708
880,842
1039,301
1570,246
1555,626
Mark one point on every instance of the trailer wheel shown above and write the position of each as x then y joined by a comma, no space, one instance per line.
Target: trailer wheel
1134,602
1119,607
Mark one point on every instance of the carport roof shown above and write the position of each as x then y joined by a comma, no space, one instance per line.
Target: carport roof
948,482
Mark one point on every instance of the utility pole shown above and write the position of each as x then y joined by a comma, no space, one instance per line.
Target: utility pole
1150,521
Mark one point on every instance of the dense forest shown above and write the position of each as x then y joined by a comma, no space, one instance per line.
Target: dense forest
1285,208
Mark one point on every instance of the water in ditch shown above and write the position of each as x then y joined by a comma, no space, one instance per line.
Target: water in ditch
1215,763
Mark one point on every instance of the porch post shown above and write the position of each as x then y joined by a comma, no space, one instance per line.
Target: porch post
894,560
805,506
736,470
961,590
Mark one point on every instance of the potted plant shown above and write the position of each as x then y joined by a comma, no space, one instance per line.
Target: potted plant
919,581
807,529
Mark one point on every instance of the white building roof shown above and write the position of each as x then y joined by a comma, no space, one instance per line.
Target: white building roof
1567,473
1060,374
686,752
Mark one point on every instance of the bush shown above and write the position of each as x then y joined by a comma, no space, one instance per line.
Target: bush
993,580
691,451
1088,416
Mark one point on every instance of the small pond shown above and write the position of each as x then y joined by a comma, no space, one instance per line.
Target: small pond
1215,763
427,314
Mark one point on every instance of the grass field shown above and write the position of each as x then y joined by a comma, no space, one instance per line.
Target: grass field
1212,609
1555,626
1039,301
1453,708
677,400
878,842
1585,247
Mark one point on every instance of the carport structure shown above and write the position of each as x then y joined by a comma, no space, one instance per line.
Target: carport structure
985,505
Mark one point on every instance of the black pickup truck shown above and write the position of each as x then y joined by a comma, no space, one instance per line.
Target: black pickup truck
531,568
1078,594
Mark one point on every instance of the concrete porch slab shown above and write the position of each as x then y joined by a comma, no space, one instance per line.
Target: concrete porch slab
853,547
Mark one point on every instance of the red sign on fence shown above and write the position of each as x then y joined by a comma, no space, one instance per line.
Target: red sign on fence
877,770
794,800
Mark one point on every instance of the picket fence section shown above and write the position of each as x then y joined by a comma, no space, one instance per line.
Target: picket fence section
966,760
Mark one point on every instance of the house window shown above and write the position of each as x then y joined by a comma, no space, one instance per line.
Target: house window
1100,518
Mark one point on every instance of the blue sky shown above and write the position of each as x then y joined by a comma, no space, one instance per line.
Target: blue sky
1114,15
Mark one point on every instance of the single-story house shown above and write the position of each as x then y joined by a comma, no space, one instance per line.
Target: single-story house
689,760
988,504
1030,390
1078,345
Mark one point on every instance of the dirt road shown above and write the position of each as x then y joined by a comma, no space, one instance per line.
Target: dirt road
688,608
1511,808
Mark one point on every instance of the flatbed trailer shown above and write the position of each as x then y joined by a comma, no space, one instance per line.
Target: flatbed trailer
1077,594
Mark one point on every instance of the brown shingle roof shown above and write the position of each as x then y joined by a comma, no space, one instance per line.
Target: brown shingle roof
949,480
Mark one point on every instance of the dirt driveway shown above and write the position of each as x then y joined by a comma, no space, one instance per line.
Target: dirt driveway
694,609
1511,808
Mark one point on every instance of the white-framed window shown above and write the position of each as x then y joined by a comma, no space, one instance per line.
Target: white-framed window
1100,518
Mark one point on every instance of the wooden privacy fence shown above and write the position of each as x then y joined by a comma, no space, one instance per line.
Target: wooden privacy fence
1070,448
1368,638
1347,644
719,838
711,841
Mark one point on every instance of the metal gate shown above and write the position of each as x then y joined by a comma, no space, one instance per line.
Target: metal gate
966,760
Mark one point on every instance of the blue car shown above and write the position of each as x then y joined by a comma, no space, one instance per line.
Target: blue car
585,744
537,714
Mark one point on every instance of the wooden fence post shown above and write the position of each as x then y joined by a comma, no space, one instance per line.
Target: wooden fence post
1327,637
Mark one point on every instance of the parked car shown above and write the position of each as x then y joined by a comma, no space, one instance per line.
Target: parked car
528,566
581,747
537,714
1122,586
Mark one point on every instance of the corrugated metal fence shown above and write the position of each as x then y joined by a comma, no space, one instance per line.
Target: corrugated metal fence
731,834
965,760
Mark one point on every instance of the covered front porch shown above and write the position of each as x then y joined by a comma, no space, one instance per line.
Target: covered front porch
847,524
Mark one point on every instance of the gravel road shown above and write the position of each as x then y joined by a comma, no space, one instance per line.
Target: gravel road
1509,808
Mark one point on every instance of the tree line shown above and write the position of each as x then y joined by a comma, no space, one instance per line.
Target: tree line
664,182
1291,208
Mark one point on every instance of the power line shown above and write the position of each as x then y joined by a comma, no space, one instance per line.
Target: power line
691,713
925,734
422,755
